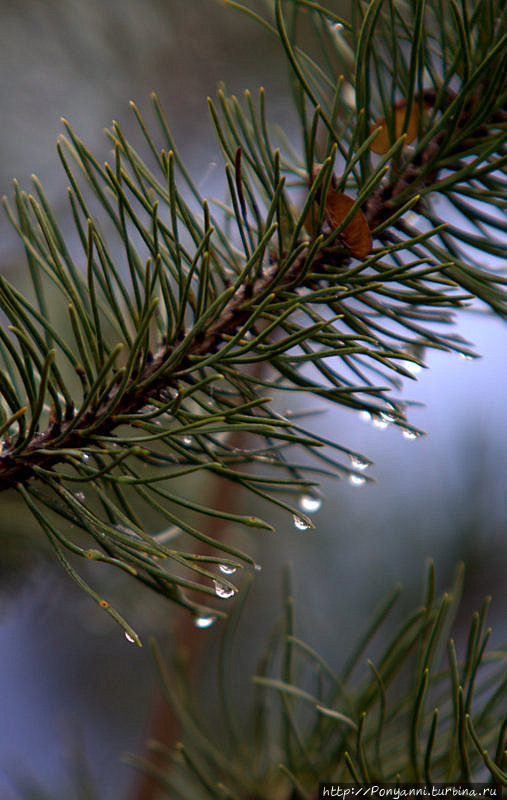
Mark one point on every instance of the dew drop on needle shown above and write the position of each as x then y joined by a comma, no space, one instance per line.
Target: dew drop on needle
309,503
300,524
204,621
227,569
358,463
223,591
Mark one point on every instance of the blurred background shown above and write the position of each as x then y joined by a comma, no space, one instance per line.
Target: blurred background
73,691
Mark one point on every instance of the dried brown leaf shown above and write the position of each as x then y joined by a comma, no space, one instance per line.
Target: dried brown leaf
382,141
356,235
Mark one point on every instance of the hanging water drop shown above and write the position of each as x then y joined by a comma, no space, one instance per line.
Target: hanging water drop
168,393
412,367
310,503
85,457
186,441
357,480
466,356
358,463
418,350
409,434
80,496
365,416
300,524
335,27
129,638
227,569
380,423
204,621
223,591
258,567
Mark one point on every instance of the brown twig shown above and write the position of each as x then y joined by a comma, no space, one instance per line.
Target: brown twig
163,724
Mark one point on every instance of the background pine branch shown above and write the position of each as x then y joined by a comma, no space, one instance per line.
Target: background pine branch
408,717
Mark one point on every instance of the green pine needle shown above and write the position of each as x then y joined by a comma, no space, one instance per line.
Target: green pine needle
189,309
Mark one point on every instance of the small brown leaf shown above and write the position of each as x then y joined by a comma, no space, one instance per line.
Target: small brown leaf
356,235
382,141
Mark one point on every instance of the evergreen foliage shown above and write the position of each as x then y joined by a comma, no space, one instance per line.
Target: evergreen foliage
404,714
186,317
330,270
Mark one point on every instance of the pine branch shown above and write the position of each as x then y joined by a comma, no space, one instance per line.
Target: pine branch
335,294
397,716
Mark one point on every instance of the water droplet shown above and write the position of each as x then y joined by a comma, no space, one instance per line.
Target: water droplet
129,638
408,434
411,367
80,496
358,463
466,356
357,480
85,457
380,423
204,621
169,393
186,441
300,524
310,503
258,567
223,591
227,569
365,416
